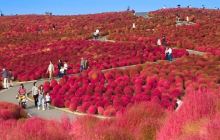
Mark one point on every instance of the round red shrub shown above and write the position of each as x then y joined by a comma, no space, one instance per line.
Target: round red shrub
92,110
73,106
100,110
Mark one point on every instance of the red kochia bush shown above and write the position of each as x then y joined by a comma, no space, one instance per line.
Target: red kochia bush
58,102
100,110
196,106
92,110
11,111
141,121
53,83
73,106
28,129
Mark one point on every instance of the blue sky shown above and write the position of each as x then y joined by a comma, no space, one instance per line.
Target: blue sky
63,7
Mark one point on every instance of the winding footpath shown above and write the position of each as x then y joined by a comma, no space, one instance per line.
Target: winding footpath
54,113
9,95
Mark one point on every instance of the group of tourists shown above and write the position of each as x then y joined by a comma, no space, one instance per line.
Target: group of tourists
7,77
178,19
41,99
62,69
168,50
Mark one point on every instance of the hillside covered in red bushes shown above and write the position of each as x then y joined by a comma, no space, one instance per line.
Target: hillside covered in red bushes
140,100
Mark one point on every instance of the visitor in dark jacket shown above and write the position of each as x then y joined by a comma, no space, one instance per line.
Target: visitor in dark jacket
5,78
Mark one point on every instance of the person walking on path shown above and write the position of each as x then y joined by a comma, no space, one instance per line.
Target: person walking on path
187,18
85,64
35,93
41,100
65,66
96,34
62,70
133,26
82,64
159,42
5,78
10,78
179,103
60,64
21,96
164,41
48,101
50,70
168,53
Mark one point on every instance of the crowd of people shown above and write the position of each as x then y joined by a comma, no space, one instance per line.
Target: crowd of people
42,100
62,69
168,50
178,19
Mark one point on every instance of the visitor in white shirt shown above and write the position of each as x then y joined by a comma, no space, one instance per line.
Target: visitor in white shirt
133,26
62,70
48,100
159,42
179,103
168,53
65,66
50,70
96,34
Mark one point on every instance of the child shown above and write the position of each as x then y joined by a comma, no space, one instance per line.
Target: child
48,100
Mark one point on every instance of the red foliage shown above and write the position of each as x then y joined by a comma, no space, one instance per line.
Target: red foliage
11,111
92,110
